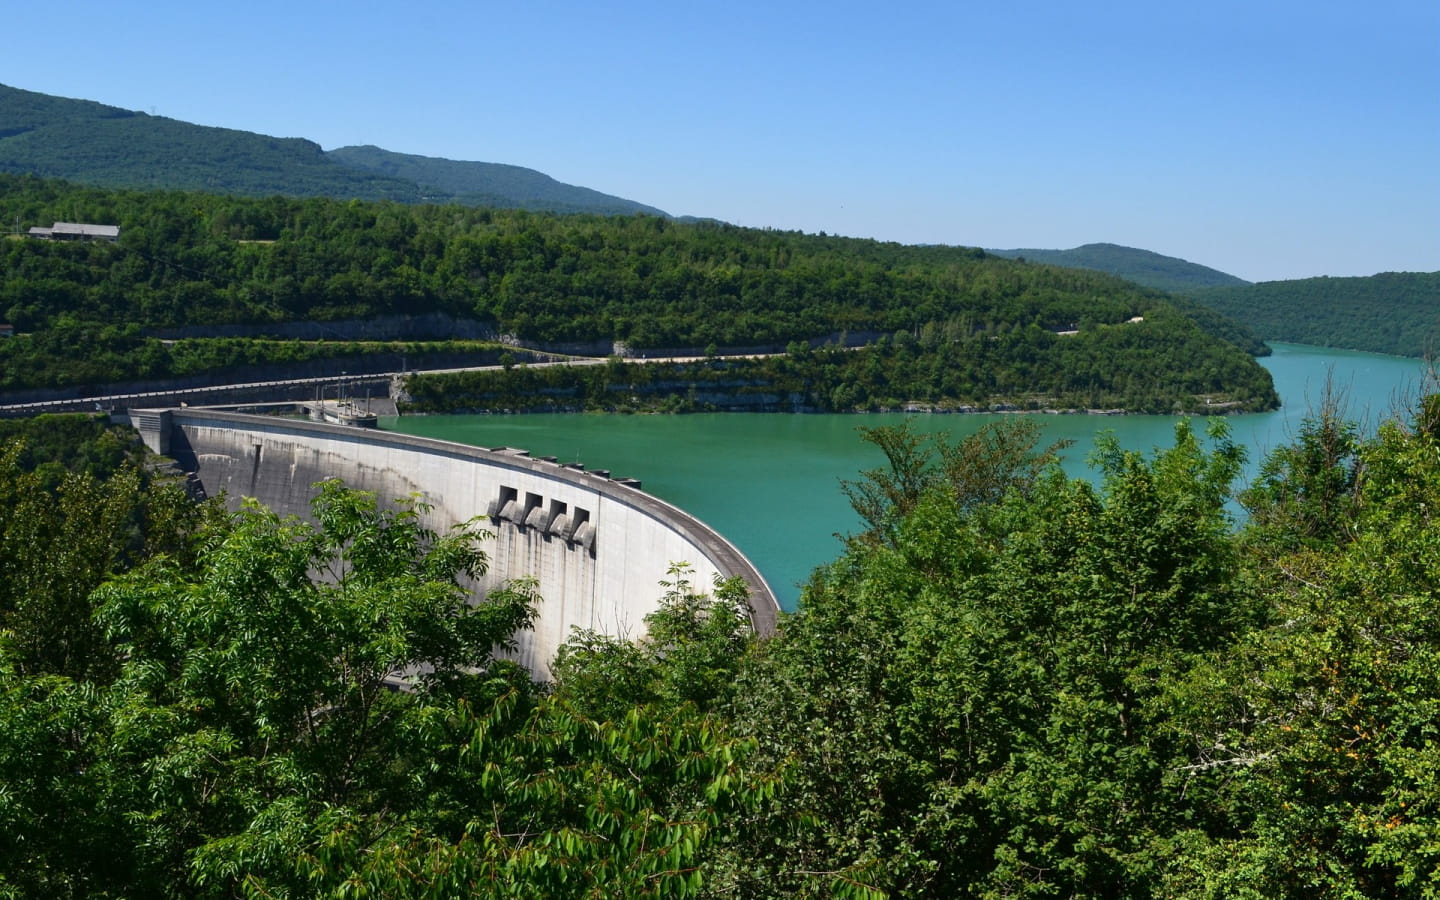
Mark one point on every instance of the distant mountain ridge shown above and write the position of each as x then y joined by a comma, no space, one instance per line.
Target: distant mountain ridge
1392,312
92,143
1144,267
485,184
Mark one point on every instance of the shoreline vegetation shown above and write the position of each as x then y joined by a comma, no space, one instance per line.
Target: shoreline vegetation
1391,312
121,356
1029,372
948,324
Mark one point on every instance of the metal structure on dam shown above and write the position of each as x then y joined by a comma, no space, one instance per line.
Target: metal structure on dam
597,547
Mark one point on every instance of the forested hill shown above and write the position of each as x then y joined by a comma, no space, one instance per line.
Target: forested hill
486,184
1154,270
1393,312
104,145
201,260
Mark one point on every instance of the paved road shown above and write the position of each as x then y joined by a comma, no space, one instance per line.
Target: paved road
198,394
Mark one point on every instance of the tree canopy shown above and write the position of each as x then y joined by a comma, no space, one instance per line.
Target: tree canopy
302,710
197,264
1010,684
1392,312
1162,365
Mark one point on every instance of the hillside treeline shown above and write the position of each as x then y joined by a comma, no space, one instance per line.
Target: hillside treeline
92,143
55,446
1139,367
1011,684
199,259
105,145
189,259
1393,312
86,354
1145,267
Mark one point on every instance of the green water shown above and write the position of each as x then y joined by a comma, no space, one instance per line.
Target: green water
770,482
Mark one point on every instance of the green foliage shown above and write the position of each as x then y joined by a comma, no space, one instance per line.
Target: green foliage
1163,273
689,654
1011,684
75,508
1162,365
1230,328
1393,312
58,357
83,444
969,703
985,327
1314,740
525,800
324,620
975,473
1306,491
313,710
57,546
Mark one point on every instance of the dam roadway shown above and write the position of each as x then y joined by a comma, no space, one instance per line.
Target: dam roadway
597,547
296,389
277,389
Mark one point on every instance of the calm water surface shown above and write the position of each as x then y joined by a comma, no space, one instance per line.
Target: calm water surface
771,482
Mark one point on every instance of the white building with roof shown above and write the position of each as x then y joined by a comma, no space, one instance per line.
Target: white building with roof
76,231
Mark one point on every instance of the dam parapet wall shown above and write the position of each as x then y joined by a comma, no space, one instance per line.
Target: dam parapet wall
597,547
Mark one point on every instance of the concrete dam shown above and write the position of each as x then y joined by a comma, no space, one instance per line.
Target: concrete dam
597,547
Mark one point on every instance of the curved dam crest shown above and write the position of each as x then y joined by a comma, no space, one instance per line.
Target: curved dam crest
598,548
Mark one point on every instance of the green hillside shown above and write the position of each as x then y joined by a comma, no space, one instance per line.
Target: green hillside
91,143
1393,312
105,145
485,184
1227,328
981,328
1154,270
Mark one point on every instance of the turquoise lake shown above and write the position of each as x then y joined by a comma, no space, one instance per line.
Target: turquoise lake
770,482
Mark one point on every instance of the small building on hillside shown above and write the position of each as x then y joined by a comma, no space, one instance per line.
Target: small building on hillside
76,231
6,330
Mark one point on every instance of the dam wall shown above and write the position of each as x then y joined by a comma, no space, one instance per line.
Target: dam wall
597,547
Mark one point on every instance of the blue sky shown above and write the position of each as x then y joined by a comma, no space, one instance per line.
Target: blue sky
1266,139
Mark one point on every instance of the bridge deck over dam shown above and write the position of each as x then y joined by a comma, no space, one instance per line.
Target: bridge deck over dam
597,547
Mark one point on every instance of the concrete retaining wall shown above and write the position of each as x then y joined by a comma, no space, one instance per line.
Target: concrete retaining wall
597,547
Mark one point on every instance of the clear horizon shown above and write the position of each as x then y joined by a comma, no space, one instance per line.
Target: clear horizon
1270,141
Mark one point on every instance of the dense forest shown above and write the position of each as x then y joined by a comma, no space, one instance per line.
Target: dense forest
1011,684
199,260
1107,367
56,445
1155,270
1393,312
104,145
